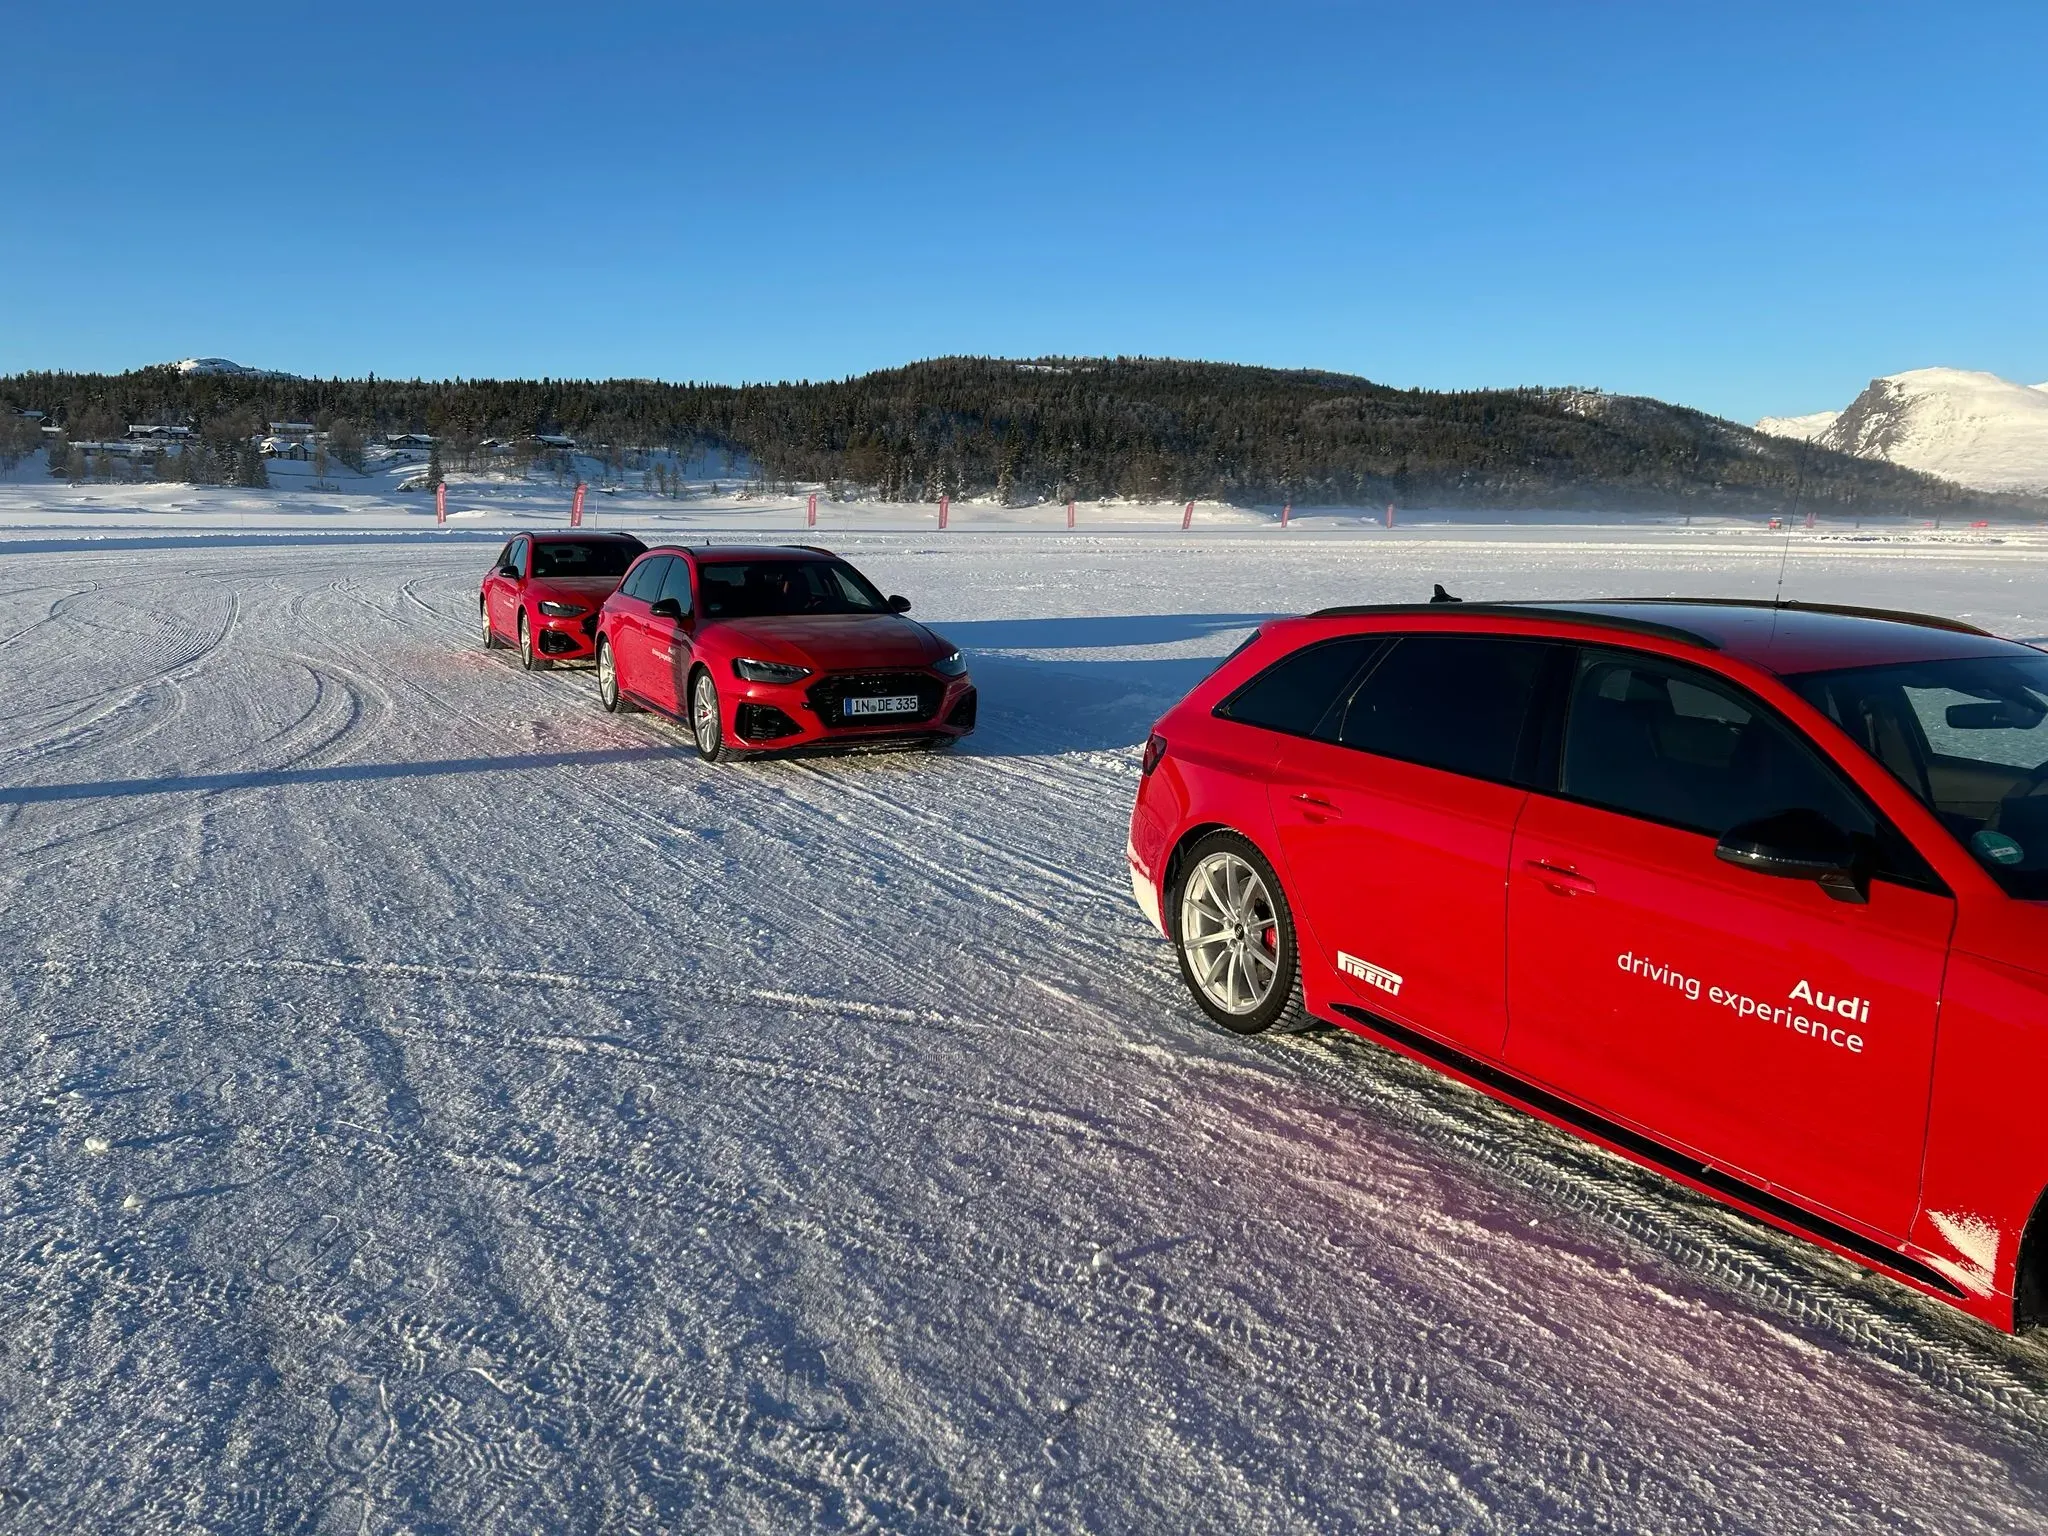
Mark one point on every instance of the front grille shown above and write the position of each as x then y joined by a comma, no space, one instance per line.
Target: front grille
828,694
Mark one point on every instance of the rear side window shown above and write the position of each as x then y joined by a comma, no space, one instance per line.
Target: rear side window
677,583
1455,702
1663,742
1299,690
644,580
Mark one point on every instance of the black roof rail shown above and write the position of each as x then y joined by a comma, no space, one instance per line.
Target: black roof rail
1523,610
1846,610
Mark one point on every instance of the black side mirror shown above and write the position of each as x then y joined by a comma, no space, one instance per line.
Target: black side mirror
899,605
1800,845
667,608
509,572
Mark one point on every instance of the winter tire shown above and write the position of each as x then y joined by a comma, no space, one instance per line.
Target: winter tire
1234,936
609,694
491,640
527,658
706,727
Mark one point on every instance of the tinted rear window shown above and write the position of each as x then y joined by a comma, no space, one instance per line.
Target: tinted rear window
599,557
1456,702
1299,690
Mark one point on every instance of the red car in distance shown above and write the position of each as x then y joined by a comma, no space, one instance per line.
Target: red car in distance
543,593
776,648
1755,894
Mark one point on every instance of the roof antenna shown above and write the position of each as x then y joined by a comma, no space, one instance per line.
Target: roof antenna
1441,596
1785,559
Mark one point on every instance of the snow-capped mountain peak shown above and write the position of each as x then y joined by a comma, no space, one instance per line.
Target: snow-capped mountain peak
223,365
1973,428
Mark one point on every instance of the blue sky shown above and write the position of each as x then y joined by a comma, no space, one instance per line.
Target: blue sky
1750,208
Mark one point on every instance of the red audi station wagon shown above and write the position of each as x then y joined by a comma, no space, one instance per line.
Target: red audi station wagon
1756,894
543,591
769,649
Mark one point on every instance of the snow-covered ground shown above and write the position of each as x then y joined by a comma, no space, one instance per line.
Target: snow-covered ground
439,1105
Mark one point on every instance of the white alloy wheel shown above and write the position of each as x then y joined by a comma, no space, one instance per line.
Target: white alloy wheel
1230,932
704,723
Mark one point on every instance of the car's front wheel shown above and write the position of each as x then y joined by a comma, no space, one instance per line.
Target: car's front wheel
1234,935
705,727
609,693
527,658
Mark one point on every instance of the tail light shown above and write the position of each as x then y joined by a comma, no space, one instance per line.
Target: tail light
1155,752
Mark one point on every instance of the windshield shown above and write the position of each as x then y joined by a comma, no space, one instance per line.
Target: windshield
1970,738
600,557
772,588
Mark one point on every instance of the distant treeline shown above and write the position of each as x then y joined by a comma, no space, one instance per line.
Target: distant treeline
1077,427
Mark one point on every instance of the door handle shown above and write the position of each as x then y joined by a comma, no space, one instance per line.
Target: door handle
1316,808
1561,878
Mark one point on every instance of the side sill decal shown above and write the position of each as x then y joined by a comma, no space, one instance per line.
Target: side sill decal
1654,1152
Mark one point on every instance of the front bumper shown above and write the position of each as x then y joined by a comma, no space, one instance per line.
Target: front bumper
565,639
781,716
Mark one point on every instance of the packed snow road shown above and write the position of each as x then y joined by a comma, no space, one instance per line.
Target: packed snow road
436,1105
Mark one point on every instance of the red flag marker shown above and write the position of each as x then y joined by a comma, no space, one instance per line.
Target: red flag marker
811,511
1390,514
441,504
1286,512
576,506
1070,513
945,509
1187,517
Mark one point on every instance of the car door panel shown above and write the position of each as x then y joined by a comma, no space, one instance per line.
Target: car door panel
1402,875
1762,1023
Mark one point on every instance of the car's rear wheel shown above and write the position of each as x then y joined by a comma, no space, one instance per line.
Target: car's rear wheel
609,693
491,640
1235,935
706,728
527,658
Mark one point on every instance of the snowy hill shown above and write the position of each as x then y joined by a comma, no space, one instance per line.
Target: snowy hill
1972,428
224,366
1805,428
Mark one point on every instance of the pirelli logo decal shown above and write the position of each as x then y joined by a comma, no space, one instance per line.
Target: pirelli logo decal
1372,975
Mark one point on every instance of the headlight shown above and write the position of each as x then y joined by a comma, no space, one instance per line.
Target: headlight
951,666
562,610
769,671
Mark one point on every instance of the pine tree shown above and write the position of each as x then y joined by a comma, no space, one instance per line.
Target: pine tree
434,475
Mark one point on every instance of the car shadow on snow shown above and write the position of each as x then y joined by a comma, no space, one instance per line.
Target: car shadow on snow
1073,701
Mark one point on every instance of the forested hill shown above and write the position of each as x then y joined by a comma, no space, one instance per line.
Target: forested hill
1083,427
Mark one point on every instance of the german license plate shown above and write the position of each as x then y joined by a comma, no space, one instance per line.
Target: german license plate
890,704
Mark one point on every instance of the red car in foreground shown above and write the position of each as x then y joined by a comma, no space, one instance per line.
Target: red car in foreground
543,593
1753,894
777,648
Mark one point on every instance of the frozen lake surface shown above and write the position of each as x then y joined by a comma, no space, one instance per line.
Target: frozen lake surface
437,1105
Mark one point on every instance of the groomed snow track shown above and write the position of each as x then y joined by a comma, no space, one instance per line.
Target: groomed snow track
437,1105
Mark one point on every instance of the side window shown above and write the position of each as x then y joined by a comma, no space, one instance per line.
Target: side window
677,583
504,558
645,580
1299,690
518,556
1456,702
1653,739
